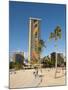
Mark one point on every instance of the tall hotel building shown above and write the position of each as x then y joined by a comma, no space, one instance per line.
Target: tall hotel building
34,37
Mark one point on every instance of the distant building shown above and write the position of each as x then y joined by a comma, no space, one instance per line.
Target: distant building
60,58
18,57
53,56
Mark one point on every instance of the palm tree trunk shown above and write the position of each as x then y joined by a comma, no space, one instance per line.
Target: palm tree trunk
56,65
55,59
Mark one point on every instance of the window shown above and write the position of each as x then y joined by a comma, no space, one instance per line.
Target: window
36,34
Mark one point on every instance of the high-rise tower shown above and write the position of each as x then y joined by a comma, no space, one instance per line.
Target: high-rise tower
34,37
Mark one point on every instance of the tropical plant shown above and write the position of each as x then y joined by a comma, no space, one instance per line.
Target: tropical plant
41,45
18,65
11,65
56,35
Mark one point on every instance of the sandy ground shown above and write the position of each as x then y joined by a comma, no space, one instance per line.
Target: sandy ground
26,78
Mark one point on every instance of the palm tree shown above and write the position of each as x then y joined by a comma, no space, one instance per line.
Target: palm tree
40,48
41,45
56,35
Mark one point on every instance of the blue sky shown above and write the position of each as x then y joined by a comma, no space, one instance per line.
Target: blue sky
51,15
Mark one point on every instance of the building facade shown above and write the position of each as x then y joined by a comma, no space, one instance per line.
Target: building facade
60,58
18,57
34,37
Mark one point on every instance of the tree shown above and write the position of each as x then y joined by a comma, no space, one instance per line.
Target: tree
41,44
11,65
56,35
